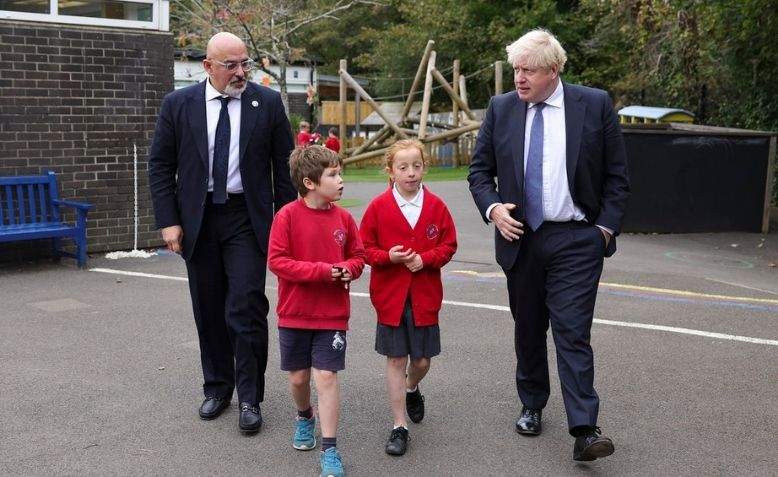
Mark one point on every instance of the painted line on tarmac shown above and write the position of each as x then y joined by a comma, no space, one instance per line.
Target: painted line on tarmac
483,306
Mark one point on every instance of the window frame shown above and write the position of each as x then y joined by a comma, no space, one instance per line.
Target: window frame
160,17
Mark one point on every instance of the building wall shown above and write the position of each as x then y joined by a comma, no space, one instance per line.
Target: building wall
75,100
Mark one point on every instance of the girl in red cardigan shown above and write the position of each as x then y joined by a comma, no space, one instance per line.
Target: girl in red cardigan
408,235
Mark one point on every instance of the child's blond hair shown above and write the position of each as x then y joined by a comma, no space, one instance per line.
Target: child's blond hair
310,162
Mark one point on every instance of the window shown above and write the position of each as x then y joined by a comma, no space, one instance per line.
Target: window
146,14
295,74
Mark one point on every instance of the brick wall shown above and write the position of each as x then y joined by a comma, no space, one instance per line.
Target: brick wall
298,105
75,100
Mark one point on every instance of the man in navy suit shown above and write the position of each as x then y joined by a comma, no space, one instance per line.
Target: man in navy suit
558,155
218,168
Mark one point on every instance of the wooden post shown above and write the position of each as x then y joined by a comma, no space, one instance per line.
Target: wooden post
351,82
425,104
377,137
357,115
455,112
343,103
463,88
768,196
417,79
497,77
455,97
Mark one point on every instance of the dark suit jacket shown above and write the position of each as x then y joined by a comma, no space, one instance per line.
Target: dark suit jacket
178,161
596,161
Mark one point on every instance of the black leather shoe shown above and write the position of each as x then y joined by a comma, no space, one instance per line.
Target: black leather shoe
529,421
250,418
414,405
212,407
398,441
592,445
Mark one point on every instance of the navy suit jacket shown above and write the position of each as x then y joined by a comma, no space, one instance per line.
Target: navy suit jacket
178,161
596,161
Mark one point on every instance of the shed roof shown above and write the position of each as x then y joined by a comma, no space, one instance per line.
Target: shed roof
650,112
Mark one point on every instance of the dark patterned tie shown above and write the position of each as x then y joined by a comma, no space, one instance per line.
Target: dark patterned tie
533,177
221,154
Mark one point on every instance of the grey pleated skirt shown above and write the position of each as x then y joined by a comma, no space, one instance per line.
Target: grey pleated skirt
406,339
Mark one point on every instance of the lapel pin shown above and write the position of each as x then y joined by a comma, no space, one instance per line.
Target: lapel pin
255,103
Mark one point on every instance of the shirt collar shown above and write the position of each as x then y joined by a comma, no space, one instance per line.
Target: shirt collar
416,201
556,99
211,92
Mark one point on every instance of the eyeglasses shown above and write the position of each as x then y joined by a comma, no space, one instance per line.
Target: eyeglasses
246,65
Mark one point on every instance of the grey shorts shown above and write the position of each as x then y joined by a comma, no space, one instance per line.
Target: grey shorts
406,339
320,349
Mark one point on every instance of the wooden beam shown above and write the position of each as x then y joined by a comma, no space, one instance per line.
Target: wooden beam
417,79
455,97
351,82
455,111
425,103
463,88
768,191
343,102
379,136
497,77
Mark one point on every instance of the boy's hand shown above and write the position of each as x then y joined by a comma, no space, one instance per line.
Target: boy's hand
415,264
343,274
396,254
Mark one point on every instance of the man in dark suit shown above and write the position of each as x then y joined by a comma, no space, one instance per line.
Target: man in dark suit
558,155
218,168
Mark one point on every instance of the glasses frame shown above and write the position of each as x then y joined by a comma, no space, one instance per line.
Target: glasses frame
246,65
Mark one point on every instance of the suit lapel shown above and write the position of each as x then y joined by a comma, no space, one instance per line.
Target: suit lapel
575,112
518,116
249,110
198,122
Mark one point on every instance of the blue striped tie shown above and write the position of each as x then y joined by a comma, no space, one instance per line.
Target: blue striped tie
221,154
533,176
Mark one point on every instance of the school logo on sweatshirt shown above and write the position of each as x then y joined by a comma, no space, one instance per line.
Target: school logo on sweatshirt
338,341
340,236
432,231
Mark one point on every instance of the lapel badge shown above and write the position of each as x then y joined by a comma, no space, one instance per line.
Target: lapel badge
255,103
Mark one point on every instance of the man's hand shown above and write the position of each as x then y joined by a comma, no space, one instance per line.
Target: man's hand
510,228
397,255
172,237
415,263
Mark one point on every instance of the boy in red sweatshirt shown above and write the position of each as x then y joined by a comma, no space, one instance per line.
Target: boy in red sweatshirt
315,250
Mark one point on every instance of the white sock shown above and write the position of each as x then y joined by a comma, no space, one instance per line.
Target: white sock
397,427
412,390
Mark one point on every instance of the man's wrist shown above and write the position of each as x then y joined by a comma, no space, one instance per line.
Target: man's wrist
489,211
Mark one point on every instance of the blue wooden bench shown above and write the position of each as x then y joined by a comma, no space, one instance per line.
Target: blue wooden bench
30,209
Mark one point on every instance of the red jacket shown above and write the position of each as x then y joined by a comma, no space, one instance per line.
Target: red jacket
304,245
434,239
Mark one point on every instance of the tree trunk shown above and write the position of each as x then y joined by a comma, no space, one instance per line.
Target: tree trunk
282,85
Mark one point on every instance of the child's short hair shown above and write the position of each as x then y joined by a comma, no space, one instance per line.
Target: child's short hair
332,131
305,124
310,162
401,145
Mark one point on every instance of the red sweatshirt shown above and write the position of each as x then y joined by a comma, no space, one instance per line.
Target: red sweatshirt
304,245
433,238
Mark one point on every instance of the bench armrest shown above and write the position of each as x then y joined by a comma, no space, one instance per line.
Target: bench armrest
78,205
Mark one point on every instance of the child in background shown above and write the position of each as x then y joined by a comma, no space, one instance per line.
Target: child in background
408,235
315,250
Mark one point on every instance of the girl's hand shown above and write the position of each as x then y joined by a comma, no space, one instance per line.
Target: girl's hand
415,264
397,255
337,272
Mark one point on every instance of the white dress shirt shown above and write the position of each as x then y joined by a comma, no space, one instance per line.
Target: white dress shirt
411,209
212,109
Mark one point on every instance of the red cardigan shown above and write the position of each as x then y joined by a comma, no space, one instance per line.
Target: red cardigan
304,245
433,238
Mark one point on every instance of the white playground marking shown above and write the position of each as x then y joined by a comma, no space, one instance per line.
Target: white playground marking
645,326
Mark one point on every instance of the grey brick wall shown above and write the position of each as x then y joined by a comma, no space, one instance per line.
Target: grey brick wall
75,100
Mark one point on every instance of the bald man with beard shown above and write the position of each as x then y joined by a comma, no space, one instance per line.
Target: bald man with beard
218,169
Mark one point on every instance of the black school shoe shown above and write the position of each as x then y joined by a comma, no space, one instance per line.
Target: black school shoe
528,422
414,405
398,441
592,445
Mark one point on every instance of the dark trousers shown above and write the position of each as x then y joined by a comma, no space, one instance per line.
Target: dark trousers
227,285
555,281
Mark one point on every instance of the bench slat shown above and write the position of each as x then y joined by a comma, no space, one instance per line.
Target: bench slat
10,205
42,202
31,203
20,203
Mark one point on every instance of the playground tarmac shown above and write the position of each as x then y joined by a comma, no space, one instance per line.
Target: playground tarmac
100,369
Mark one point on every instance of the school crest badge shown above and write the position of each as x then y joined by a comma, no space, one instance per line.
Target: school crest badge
432,231
340,236
338,341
